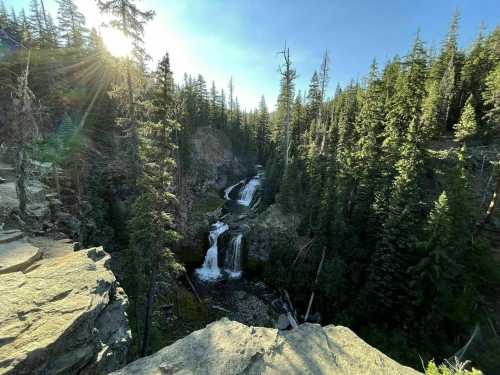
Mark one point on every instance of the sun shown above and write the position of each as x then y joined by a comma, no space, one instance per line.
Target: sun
117,43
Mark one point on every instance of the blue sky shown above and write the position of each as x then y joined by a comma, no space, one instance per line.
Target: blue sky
223,38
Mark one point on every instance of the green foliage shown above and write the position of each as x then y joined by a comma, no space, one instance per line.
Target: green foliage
467,126
443,369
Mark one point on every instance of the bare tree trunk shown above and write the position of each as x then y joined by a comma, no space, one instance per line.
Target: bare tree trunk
288,75
149,310
320,266
21,180
492,206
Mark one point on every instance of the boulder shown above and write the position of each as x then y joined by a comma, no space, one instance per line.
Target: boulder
65,315
283,322
228,347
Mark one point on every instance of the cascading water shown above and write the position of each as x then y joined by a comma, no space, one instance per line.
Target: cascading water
233,257
246,195
210,269
230,188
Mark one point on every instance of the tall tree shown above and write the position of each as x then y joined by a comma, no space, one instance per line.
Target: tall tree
288,76
130,20
71,24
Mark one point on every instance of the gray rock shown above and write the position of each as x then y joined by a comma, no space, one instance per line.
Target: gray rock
17,255
227,347
66,315
283,322
268,228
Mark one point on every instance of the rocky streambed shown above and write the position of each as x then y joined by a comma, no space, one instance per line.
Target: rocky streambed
221,280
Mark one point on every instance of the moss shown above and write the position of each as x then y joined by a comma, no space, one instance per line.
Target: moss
208,203
190,315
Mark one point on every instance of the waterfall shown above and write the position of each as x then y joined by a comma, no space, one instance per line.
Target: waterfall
233,257
246,195
230,188
210,269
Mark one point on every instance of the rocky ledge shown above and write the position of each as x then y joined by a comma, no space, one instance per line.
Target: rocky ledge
227,347
64,315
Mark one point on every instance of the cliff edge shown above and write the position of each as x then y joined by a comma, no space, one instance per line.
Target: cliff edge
228,347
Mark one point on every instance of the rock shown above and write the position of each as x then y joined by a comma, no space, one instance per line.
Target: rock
283,322
7,236
2,180
227,347
66,315
68,224
17,255
269,229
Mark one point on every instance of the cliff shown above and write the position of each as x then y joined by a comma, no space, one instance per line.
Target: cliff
227,347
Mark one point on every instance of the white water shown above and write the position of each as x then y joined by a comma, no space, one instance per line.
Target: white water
233,257
230,188
246,195
210,269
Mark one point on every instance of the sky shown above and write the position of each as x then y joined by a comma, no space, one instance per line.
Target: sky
242,38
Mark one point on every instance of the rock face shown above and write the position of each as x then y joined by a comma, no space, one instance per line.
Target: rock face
213,166
227,347
65,315
268,227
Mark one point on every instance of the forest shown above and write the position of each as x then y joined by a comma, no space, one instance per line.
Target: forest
394,177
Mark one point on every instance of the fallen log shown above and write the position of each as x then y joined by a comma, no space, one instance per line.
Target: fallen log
192,287
302,250
318,272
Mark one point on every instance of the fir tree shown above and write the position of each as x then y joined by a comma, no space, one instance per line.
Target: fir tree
71,24
467,126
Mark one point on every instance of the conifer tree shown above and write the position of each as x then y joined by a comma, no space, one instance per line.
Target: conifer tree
262,136
491,97
71,24
467,126
152,226
130,20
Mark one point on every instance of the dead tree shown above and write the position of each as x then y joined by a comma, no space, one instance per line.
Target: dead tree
318,272
288,75
492,206
24,131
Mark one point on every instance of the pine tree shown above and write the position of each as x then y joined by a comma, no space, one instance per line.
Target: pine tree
406,104
467,126
263,136
130,20
71,24
36,23
491,97
152,226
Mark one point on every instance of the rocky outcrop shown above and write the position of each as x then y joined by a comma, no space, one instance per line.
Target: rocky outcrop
63,315
227,347
270,228
215,163
16,254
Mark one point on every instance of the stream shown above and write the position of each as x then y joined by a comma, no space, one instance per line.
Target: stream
220,279
210,270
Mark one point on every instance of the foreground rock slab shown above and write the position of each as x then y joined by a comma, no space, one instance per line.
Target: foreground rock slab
65,316
227,347
17,255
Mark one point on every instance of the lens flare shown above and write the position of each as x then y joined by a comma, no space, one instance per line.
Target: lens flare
117,43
